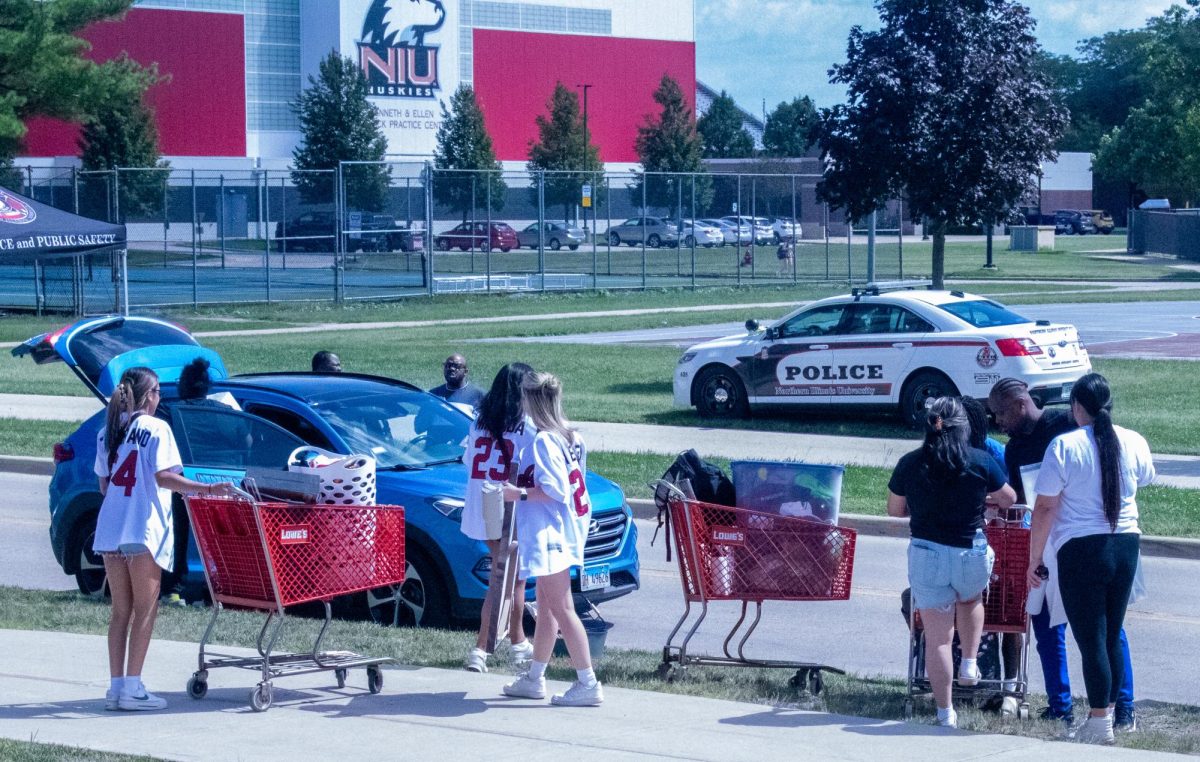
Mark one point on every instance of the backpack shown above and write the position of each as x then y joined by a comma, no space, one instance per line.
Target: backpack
708,485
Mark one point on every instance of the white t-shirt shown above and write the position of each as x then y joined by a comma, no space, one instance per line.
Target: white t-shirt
1071,470
552,530
136,511
488,461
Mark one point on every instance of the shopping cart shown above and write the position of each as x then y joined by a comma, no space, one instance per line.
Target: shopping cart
737,554
264,556
1003,614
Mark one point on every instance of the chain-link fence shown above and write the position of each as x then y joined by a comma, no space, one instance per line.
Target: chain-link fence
389,230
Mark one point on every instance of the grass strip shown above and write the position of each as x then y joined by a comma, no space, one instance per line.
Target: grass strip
1165,727
33,751
22,437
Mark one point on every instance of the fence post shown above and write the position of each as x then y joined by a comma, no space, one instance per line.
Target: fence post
694,231
263,226
753,220
595,222
427,255
489,230
737,247
282,223
541,228
488,256
900,242
608,221
339,244
795,238
849,249
679,223
645,182
117,194
39,287
221,216
75,188
872,223
195,231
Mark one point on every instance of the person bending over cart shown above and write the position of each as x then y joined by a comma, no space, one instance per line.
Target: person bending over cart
138,464
552,526
942,487
497,436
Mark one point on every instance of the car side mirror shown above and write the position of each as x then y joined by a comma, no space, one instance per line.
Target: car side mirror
752,325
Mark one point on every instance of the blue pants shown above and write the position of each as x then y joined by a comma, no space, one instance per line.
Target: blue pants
1052,651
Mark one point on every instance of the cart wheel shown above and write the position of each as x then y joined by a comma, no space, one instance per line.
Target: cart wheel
340,674
374,679
1023,711
908,709
798,680
197,687
664,671
260,697
816,683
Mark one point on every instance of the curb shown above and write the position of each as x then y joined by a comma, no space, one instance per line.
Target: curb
885,526
25,464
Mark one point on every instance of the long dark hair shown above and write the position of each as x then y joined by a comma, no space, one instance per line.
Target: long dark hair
500,408
946,446
128,398
977,422
1094,396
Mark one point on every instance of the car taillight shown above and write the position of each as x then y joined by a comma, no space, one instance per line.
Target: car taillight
1018,347
63,452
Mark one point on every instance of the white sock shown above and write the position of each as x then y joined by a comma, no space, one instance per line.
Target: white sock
115,684
944,714
587,677
1010,686
132,685
967,667
537,669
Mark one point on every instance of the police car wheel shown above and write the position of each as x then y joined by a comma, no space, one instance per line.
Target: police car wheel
920,388
720,394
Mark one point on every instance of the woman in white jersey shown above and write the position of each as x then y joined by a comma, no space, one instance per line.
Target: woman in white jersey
552,527
498,435
138,465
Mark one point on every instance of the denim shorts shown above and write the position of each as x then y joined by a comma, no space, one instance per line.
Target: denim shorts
942,575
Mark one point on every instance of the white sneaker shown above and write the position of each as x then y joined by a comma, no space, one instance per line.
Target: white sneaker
476,661
521,654
526,687
968,679
143,701
1098,730
579,695
951,720
110,700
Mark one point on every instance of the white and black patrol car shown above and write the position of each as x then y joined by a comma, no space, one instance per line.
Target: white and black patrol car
887,345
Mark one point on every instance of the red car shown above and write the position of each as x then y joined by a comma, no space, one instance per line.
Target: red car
474,235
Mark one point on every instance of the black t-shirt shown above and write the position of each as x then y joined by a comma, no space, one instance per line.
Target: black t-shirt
1027,449
468,394
946,512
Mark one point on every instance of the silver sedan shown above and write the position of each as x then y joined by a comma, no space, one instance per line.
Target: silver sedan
555,235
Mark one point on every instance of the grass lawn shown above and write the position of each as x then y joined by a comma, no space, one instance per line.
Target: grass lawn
32,751
18,437
1165,727
1164,511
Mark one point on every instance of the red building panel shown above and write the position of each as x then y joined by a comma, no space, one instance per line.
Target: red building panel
201,111
515,73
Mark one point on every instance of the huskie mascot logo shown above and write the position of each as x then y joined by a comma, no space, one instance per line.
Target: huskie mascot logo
393,53
15,211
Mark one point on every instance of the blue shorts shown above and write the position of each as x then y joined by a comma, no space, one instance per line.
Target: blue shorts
942,575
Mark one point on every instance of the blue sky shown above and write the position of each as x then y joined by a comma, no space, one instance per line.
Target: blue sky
778,49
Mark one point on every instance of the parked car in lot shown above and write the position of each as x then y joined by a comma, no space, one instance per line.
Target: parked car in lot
476,235
761,227
555,235
785,229
1102,221
415,437
734,233
1073,222
364,231
699,233
880,348
655,230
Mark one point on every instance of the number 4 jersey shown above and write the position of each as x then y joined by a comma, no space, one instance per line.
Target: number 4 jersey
488,460
552,530
136,511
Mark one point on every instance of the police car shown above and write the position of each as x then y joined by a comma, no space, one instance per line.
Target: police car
887,345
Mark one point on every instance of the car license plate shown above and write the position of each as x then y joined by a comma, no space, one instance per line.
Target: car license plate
1066,390
594,578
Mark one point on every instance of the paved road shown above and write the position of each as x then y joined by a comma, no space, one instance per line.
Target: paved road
1161,628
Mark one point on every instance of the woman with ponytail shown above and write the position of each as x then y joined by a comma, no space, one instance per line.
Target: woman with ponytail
138,465
943,487
1087,513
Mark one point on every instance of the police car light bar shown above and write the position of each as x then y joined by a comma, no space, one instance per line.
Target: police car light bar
876,288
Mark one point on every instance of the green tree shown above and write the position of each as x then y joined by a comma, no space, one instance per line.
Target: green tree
42,68
121,133
723,132
791,128
948,106
463,144
562,150
338,123
670,143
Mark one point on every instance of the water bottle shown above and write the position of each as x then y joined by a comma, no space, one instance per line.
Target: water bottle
979,544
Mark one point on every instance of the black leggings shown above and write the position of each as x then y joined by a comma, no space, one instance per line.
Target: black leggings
1095,575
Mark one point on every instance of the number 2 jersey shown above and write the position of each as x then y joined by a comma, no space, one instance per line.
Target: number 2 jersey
136,511
552,530
488,460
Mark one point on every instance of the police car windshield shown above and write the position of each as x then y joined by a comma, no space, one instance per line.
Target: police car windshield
983,313
401,428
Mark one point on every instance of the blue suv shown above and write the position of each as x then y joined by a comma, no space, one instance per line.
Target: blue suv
415,437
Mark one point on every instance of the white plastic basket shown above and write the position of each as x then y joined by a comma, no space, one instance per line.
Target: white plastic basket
345,479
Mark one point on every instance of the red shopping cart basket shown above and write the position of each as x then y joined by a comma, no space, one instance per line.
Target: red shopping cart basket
736,554
265,556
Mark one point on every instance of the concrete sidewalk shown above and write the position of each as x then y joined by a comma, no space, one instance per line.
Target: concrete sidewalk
53,691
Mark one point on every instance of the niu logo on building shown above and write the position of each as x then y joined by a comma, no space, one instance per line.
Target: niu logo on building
295,534
393,54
